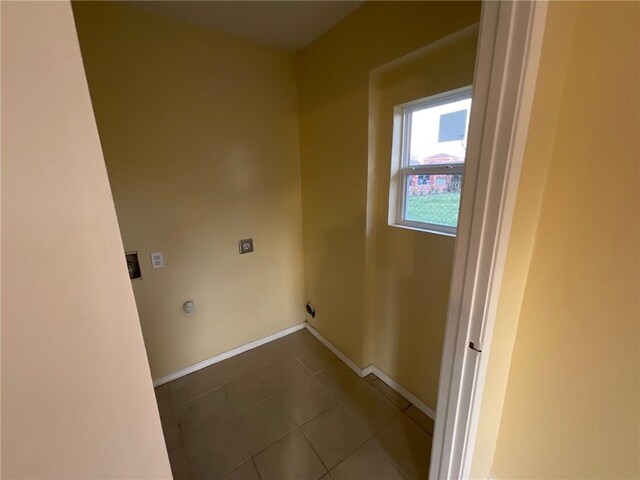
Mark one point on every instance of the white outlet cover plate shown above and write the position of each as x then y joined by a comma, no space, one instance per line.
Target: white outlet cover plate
157,260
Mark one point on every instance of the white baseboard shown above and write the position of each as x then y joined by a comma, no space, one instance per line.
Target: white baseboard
363,372
350,363
228,354
366,371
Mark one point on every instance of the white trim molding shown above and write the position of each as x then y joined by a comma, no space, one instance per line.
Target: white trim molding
507,61
228,354
363,372
350,363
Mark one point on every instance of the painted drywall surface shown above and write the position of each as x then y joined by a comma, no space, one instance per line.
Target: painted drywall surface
200,136
556,49
412,269
77,399
571,407
333,75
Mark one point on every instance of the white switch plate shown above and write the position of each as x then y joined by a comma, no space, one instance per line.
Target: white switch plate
157,260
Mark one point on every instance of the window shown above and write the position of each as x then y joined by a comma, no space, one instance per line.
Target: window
430,143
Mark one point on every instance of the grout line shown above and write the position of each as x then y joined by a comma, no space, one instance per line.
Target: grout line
255,465
237,467
302,363
393,464
180,404
292,353
315,451
274,442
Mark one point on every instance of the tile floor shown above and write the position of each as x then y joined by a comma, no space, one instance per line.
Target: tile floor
291,409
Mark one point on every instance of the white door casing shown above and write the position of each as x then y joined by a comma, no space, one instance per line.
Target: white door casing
509,47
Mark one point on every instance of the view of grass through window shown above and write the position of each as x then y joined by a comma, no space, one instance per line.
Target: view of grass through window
437,207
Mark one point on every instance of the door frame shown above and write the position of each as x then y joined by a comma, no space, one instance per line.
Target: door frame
509,48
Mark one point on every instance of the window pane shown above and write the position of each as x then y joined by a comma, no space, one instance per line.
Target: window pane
439,133
433,199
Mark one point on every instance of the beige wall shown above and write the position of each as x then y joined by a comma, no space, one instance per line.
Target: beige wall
200,136
412,269
333,75
77,400
573,391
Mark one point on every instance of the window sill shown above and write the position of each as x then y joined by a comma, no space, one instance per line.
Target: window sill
422,229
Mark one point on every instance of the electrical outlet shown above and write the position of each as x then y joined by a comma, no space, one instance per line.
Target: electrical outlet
157,260
246,245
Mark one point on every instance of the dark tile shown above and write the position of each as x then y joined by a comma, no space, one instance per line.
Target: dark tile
236,367
204,412
366,463
171,431
291,458
217,451
401,402
315,357
179,467
370,407
272,391
334,434
407,446
209,378
421,419
267,423
285,373
246,471
298,340
307,399
164,399
248,391
264,355
339,379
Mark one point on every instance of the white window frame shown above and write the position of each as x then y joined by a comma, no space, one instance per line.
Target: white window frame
404,169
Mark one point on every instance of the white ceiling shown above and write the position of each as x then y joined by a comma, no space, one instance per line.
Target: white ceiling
282,24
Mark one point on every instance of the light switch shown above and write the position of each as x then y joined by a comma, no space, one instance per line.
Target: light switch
157,260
